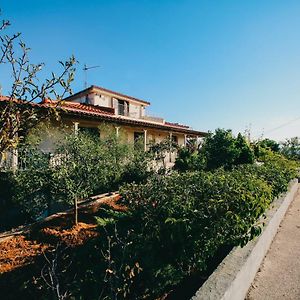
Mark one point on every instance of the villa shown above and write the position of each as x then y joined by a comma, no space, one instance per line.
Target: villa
93,106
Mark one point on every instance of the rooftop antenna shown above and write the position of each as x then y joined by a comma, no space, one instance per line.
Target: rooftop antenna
85,69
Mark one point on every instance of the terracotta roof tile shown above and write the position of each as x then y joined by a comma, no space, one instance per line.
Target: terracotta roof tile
87,108
82,108
107,113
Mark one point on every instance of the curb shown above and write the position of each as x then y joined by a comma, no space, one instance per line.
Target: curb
235,274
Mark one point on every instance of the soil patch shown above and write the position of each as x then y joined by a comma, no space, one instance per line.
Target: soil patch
18,251
75,236
21,250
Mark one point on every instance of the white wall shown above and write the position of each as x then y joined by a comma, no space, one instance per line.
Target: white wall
180,140
134,110
100,100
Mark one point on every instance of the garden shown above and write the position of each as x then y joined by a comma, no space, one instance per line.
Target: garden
163,231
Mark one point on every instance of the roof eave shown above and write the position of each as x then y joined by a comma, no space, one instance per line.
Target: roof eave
137,123
94,88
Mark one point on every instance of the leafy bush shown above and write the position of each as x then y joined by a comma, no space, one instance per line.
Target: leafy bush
182,220
269,144
176,223
189,160
291,148
80,165
220,149
10,213
245,153
33,185
277,171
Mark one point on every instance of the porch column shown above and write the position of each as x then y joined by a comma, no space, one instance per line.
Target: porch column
145,140
185,140
76,128
117,131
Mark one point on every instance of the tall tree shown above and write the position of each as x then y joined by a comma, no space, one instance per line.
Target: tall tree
219,149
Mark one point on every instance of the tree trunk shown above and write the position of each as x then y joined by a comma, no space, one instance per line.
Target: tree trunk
75,212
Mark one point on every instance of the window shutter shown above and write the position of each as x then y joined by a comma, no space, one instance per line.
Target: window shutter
115,105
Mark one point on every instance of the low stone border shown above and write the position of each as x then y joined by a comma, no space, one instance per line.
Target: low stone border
234,276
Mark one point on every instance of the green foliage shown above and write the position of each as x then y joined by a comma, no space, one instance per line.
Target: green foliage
291,148
160,150
264,146
277,171
175,223
188,160
269,144
138,166
182,220
220,149
245,153
79,166
6,186
33,186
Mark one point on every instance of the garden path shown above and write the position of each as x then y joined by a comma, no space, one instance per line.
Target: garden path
279,274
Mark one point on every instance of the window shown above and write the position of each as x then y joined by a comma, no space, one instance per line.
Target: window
91,131
175,139
123,108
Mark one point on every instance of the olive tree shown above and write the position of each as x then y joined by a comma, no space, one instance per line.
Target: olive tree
75,169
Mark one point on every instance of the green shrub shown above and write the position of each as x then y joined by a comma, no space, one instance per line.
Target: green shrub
277,171
245,153
220,149
291,148
79,166
189,160
176,223
33,185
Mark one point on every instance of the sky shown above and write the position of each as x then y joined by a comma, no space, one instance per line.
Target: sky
205,63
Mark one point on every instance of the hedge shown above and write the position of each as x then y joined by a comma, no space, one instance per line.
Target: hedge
176,223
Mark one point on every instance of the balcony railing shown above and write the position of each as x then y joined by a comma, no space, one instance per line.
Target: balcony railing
153,119
123,110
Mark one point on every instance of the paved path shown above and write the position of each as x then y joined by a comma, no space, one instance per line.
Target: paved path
279,274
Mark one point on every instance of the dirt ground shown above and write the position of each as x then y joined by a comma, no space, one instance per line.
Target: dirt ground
20,250
279,274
